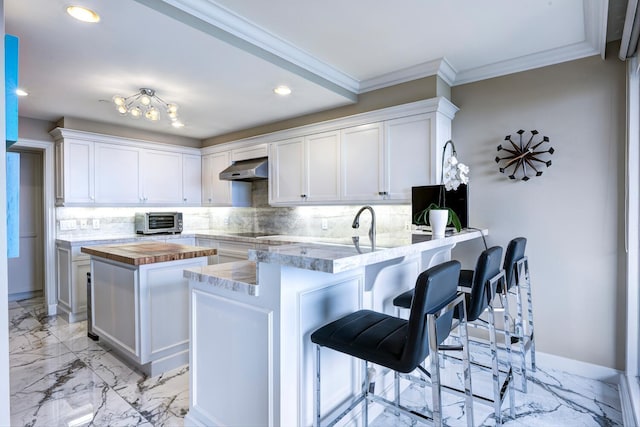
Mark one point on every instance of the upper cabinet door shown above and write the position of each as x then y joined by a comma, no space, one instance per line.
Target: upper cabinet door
322,153
362,163
214,191
75,172
117,171
408,157
287,171
191,179
161,177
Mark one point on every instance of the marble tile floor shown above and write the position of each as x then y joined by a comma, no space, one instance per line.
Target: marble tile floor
60,377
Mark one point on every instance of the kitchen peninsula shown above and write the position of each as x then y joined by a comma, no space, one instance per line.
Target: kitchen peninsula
141,302
251,321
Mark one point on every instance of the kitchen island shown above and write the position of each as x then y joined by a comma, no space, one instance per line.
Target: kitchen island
140,301
251,321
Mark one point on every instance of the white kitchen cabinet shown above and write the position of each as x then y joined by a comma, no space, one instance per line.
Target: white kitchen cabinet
161,177
143,311
362,163
382,154
306,169
217,192
170,178
322,161
101,170
287,171
71,283
250,152
117,174
408,155
74,185
214,190
191,179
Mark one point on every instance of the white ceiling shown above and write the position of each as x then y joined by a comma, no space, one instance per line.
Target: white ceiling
219,61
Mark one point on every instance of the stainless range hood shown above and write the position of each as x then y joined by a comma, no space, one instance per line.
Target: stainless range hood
247,170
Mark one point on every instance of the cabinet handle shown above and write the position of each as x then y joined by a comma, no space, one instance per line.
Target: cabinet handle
184,200
209,199
382,193
304,196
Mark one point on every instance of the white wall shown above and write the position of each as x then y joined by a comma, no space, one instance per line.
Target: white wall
573,215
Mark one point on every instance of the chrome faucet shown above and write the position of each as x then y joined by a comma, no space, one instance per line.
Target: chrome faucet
372,230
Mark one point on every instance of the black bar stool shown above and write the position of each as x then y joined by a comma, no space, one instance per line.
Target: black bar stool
401,345
480,286
516,267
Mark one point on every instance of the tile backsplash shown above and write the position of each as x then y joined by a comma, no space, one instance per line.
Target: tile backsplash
302,221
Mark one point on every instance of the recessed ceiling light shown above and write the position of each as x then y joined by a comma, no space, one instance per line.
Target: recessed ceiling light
177,124
282,90
21,92
83,14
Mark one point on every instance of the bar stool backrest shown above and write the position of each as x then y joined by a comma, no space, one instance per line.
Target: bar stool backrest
514,253
435,288
487,267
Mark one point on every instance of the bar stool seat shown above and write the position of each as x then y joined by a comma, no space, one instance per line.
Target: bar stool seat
399,344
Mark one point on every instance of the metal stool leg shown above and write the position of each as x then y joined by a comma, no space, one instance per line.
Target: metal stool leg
365,401
436,396
507,339
530,332
494,367
521,336
468,392
317,387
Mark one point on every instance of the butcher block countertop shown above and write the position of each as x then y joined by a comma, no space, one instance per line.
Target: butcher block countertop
147,252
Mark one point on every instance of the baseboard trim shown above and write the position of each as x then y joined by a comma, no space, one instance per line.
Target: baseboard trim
630,400
577,367
24,295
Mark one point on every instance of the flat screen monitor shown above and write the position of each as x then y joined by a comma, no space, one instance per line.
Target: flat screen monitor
422,197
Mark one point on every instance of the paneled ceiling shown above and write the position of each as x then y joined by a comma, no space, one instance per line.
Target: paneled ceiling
220,60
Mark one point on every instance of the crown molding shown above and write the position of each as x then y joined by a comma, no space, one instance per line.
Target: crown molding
528,62
595,25
208,16
440,67
230,27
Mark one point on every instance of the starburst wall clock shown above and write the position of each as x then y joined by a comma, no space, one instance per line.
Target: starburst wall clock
524,159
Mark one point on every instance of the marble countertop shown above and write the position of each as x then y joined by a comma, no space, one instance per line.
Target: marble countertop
239,276
142,253
346,254
264,238
330,255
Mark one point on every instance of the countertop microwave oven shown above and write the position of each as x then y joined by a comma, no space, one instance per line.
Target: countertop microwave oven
158,223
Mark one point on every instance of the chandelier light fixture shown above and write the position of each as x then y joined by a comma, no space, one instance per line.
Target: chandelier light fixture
145,103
